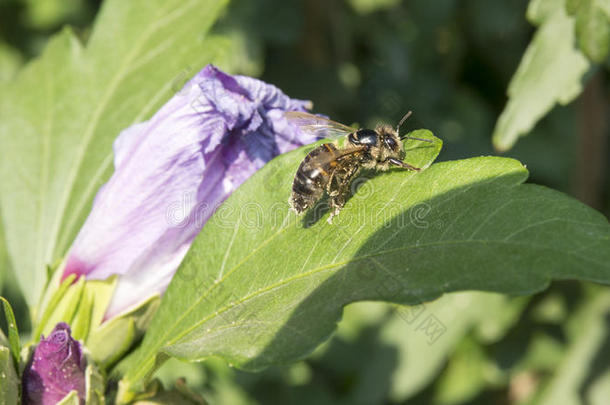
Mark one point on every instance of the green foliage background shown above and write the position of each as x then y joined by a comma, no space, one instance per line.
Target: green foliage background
451,62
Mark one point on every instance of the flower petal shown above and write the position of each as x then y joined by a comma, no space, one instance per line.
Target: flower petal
171,173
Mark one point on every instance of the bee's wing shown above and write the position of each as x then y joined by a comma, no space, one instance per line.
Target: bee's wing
318,126
338,156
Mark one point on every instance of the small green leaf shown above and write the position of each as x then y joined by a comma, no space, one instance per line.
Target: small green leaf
81,304
592,27
13,332
9,381
94,383
551,72
538,11
263,286
81,322
49,315
113,338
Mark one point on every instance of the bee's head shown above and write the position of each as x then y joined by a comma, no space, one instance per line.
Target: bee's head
390,141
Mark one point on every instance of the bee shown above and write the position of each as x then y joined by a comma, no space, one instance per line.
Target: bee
331,168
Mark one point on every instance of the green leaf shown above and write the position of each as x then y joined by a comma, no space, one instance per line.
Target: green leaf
538,11
551,72
262,286
94,384
9,381
50,316
13,332
63,111
592,27
584,374
113,338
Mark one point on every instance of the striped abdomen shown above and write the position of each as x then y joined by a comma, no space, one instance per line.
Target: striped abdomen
312,177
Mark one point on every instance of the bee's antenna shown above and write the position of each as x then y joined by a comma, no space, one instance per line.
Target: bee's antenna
407,115
417,139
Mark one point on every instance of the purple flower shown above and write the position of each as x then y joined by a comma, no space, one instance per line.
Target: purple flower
171,172
57,367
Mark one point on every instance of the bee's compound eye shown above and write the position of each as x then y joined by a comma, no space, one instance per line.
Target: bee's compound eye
391,143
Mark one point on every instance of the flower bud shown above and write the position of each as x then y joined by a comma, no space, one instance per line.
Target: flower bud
57,367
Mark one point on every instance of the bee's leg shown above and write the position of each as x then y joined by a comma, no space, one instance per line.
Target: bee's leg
339,195
402,164
336,203
333,184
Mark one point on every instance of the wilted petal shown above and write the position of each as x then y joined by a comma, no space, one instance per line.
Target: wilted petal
171,172
57,367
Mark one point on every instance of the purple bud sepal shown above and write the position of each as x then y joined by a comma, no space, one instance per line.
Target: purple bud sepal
56,368
58,372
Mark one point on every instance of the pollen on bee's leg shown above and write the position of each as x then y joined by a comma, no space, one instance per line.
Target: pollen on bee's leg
293,206
298,204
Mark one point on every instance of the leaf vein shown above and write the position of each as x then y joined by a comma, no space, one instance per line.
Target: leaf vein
330,266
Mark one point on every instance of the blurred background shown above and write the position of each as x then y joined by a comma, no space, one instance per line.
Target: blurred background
369,61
